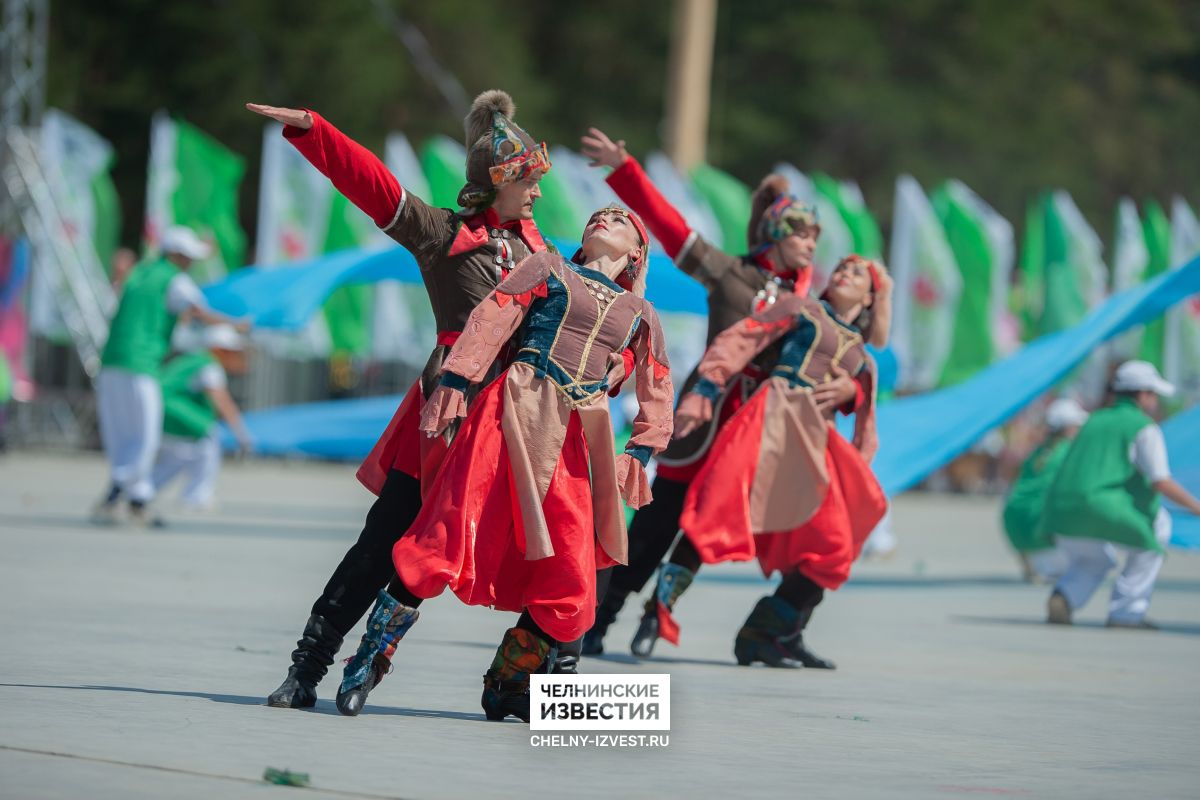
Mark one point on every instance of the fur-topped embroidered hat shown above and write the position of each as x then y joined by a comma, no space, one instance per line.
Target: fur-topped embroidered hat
498,150
775,214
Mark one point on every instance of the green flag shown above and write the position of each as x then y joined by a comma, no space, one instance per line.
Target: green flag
348,309
848,199
1073,272
1030,291
556,211
982,243
1158,244
445,163
193,180
729,200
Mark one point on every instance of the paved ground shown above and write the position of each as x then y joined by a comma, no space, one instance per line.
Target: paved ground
134,665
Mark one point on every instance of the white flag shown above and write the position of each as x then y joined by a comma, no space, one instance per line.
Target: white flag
927,288
1181,348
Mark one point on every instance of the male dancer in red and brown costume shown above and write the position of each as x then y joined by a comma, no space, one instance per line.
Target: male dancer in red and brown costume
782,237
463,256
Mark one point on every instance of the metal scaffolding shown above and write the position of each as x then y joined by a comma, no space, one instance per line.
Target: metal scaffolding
22,80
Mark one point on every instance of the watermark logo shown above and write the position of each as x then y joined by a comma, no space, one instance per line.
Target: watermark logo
599,704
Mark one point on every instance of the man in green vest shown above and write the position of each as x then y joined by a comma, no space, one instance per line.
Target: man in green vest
1041,561
195,389
128,396
1105,502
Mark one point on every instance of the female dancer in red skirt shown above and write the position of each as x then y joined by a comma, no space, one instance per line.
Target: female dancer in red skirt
780,483
527,504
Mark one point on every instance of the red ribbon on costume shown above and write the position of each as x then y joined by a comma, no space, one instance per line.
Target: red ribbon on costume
524,298
448,338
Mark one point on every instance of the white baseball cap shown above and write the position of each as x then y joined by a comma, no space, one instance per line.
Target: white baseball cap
222,337
184,241
1141,376
1065,413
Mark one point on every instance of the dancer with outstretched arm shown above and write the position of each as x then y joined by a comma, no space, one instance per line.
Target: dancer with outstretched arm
463,256
782,238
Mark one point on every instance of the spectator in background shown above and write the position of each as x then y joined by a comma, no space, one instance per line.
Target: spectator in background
128,395
1040,560
195,392
123,262
1105,501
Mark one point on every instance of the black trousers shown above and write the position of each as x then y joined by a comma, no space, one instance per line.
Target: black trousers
651,534
367,566
799,592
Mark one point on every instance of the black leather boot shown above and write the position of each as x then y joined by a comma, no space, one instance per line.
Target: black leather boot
673,581
606,615
794,645
763,636
566,661
314,652
646,635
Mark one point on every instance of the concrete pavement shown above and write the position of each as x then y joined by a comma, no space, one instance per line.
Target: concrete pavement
134,664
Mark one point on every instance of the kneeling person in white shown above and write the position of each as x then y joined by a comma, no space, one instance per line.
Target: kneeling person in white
1105,502
195,391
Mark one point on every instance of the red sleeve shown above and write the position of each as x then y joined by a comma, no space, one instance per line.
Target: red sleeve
854,405
633,186
627,355
353,169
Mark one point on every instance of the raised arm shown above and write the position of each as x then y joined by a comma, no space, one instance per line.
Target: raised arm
635,189
358,173
352,169
652,425
488,329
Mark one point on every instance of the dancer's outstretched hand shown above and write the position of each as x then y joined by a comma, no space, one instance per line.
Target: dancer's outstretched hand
603,151
631,481
833,394
443,407
694,410
296,117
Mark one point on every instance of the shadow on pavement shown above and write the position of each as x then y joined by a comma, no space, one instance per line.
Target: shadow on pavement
322,706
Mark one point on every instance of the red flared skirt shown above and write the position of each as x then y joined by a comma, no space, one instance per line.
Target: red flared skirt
717,513
468,536
403,447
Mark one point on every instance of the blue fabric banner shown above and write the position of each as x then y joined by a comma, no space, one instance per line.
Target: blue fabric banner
1182,433
918,434
286,297
921,433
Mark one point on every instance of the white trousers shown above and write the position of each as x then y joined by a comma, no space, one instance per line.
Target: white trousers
1089,561
198,459
1049,564
130,408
